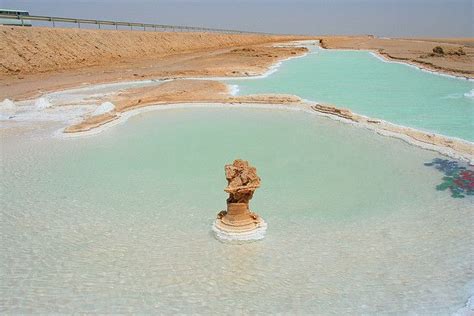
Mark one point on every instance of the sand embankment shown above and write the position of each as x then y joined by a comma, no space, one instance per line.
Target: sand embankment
35,60
214,92
454,147
33,50
457,59
70,60
173,92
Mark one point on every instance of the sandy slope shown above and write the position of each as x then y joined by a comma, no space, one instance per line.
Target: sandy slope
35,60
174,92
33,50
209,91
416,51
38,60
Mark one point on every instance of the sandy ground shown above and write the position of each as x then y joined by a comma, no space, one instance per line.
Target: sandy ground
38,60
33,50
174,92
464,41
465,149
188,91
208,91
415,51
231,62
35,60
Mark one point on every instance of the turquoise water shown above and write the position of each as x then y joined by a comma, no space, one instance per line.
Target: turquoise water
121,222
364,84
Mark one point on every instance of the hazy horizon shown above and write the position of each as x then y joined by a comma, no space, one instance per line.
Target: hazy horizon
393,18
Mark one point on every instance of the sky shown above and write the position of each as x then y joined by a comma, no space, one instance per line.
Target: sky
391,18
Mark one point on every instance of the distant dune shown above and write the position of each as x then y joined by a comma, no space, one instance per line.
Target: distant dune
465,41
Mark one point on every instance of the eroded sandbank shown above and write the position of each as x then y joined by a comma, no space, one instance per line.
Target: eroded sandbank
454,148
418,52
208,91
38,60
175,91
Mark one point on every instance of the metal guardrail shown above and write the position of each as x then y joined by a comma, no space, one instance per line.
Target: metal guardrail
131,25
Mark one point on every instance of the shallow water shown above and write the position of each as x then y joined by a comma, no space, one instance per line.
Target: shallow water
361,82
120,222
69,105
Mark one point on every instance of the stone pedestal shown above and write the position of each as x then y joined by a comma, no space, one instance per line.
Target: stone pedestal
238,222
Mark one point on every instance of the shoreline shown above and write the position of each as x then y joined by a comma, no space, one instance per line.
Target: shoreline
19,86
385,128
401,152
272,68
181,56
412,52
388,59
392,130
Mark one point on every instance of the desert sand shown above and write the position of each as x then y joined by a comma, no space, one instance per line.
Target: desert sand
38,60
208,91
415,51
464,148
174,92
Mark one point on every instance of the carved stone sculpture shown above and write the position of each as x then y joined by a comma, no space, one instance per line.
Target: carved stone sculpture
238,222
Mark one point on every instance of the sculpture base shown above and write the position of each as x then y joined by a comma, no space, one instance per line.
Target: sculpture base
239,224
256,233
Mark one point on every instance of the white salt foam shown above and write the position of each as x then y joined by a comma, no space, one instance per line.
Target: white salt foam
469,94
7,104
256,234
42,103
233,89
468,309
105,107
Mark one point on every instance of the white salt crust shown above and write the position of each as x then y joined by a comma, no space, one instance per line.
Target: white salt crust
305,107
254,235
105,107
7,104
42,103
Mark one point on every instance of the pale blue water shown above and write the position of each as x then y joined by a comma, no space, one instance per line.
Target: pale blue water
121,222
366,85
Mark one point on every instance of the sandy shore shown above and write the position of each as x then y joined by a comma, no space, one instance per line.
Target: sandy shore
38,60
226,58
173,92
191,55
207,91
453,148
34,61
418,52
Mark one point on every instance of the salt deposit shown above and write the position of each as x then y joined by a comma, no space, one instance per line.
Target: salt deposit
105,107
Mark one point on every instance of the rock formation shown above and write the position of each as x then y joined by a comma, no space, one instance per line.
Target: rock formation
344,113
238,222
